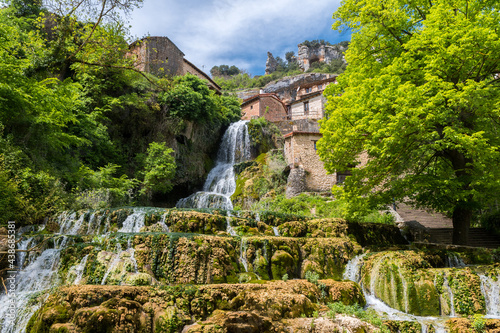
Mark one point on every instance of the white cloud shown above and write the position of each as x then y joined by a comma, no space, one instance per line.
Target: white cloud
238,32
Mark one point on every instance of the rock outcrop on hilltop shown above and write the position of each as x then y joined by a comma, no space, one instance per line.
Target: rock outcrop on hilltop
310,53
271,64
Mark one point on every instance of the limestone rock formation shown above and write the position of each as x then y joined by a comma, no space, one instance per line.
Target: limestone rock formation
319,52
286,88
271,64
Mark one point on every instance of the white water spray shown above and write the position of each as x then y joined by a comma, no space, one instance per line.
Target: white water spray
221,183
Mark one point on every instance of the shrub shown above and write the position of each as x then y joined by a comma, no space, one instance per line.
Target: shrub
159,169
312,277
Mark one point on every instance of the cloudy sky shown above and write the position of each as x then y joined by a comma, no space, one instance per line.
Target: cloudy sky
236,32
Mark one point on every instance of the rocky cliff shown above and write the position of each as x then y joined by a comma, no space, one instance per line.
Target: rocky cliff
310,53
286,88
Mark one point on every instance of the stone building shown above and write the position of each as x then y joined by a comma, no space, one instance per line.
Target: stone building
309,102
301,153
268,106
160,56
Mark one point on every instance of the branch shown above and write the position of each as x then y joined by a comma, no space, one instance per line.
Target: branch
119,67
92,31
4,286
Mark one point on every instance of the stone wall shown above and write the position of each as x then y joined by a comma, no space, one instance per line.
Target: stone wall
264,105
190,68
250,110
300,152
158,55
296,182
316,105
298,125
272,109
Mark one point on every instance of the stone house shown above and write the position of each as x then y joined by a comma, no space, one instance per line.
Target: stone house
160,56
310,102
268,106
301,154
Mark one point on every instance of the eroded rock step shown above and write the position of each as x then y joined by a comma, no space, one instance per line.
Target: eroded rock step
218,222
163,258
263,307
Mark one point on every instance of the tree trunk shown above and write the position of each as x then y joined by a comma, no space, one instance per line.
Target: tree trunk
462,216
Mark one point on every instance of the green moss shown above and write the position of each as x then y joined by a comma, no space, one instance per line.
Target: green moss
281,263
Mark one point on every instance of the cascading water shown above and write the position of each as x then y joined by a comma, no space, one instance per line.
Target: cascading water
352,272
451,296
221,183
229,228
114,262
35,278
353,267
454,260
134,222
163,224
243,254
491,291
79,269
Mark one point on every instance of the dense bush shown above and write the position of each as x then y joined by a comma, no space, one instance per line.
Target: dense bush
76,118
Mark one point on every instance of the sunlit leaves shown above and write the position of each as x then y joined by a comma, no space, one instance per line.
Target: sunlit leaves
421,97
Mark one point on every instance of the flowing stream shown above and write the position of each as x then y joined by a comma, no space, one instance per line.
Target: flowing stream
352,272
221,183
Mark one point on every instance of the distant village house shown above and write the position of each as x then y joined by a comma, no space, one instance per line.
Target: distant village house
268,106
160,56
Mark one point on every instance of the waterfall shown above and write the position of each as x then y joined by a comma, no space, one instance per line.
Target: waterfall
452,299
163,224
36,277
116,260
353,268
491,292
352,272
131,250
454,260
221,183
276,231
80,269
22,246
243,253
229,228
134,222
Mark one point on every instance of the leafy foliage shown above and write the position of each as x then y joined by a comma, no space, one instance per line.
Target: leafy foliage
190,99
420,97
224,70
159,168
315,205
76,118
357,311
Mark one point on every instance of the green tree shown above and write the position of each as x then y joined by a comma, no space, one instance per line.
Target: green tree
420,97
189,98
159,169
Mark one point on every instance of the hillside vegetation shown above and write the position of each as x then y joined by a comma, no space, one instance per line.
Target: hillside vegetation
79,126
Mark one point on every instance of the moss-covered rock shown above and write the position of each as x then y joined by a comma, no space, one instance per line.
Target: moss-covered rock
406,281
169,309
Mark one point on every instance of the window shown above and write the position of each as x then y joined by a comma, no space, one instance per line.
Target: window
251,107
306,107
320,86
342,175
314,142
308,90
